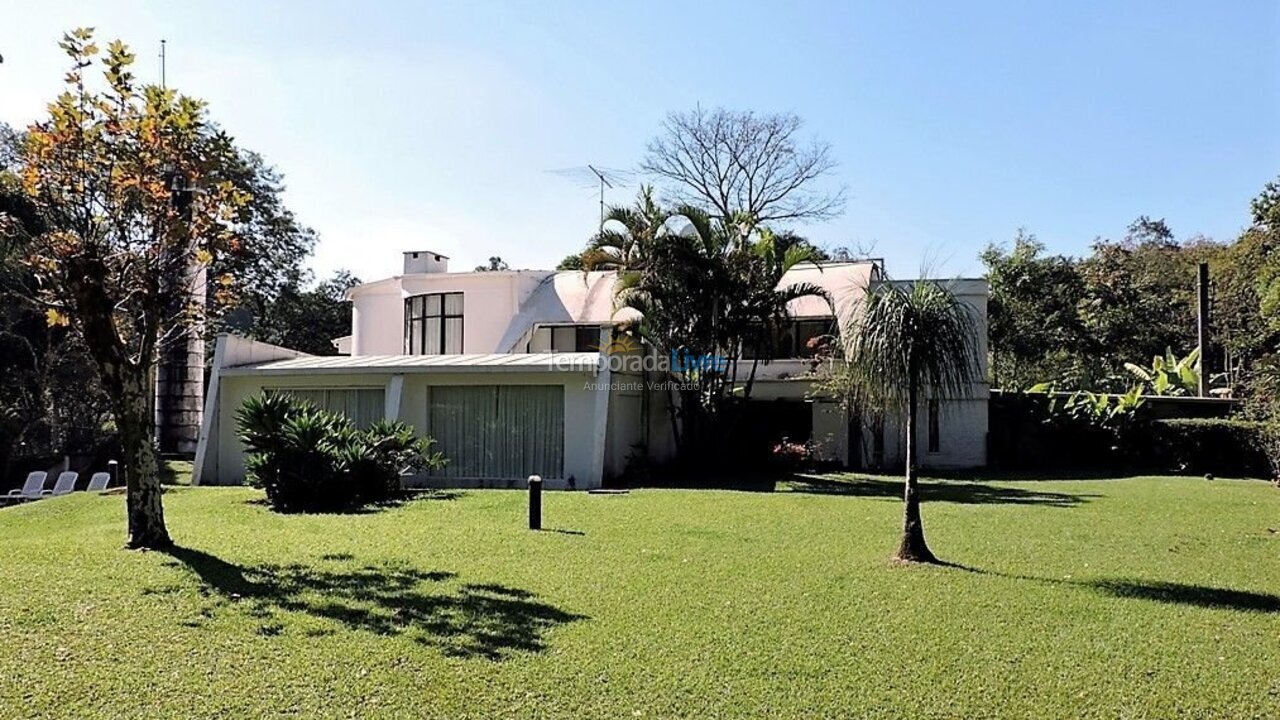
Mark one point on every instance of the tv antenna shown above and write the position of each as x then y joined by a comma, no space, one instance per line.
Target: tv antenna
592,176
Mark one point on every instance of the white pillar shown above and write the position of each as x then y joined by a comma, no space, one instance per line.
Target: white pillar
395,391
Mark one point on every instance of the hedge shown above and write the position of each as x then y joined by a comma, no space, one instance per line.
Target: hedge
1233,448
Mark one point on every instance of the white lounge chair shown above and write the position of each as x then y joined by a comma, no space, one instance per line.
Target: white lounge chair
65,484
98,482
30,489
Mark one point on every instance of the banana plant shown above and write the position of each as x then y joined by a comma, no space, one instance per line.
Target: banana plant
1109,411
1169,374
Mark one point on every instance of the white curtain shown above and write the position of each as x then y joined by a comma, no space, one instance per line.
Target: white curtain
364,406
499,431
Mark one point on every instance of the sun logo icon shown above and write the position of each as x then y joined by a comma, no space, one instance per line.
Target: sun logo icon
621,345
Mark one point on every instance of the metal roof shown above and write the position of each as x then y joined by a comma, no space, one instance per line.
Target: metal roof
496,362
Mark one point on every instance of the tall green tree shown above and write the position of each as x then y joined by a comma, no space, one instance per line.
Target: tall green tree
1265,232
271,247
1139,295
708,289
129,183
912,339
299,317
1033,316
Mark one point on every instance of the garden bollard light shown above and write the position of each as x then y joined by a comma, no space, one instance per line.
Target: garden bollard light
113,469
535,502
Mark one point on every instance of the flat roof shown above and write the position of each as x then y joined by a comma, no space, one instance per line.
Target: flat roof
493,362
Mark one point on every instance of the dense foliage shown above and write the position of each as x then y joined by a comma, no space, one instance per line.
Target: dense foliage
1218,446
296,316
1124,433
1080,322
712,291
312,460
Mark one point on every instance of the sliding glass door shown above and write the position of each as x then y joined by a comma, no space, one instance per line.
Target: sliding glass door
498,431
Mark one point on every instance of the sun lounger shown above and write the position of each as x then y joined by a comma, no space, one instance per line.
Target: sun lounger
65,484
32,488
98,482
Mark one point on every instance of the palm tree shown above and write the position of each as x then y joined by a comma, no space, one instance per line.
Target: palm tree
710,288
626,235
911,338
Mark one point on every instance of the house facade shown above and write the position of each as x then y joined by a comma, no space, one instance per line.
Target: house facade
516,373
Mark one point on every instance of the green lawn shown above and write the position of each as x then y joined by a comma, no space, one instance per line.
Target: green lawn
1154,597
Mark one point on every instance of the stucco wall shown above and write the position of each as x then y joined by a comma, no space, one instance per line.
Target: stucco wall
377,322
581,403
489,302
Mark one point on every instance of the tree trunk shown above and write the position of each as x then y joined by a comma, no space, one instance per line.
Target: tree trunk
913,547
141,472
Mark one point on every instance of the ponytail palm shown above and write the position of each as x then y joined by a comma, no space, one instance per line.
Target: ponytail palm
912,338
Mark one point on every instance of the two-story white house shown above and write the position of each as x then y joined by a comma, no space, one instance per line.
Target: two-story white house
511,373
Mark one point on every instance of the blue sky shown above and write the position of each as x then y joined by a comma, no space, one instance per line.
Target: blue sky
434,125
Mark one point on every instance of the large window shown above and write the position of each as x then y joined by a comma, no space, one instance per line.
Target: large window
499,431
433,324
363,406
795,339
565,338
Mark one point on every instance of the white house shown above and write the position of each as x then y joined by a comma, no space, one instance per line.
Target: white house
516,373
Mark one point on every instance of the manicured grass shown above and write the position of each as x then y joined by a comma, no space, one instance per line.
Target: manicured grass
1151,597
175,472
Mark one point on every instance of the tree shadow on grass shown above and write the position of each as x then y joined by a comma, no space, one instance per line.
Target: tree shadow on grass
1184,594
1171,593
966,493
484,620
390,503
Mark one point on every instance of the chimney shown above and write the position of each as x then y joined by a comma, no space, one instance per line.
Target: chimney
425,261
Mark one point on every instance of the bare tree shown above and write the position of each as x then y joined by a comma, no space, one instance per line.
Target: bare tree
742,163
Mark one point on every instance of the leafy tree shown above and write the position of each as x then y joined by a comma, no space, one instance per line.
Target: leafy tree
273,258
1140,294
1077,322
1265,231
911,339
743,164
570,262
306,319
111,174
496,264
1033,317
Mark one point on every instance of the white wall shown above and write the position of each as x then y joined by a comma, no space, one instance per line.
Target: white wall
581,453
489,302
377,321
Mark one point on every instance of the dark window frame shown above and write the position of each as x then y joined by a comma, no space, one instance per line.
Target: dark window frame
787,343
935,426
410,318
586,337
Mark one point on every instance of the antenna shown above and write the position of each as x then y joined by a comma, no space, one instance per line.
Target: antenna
162,83
591,176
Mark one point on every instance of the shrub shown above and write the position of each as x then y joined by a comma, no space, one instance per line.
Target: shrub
790,455
312,460
1237,448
